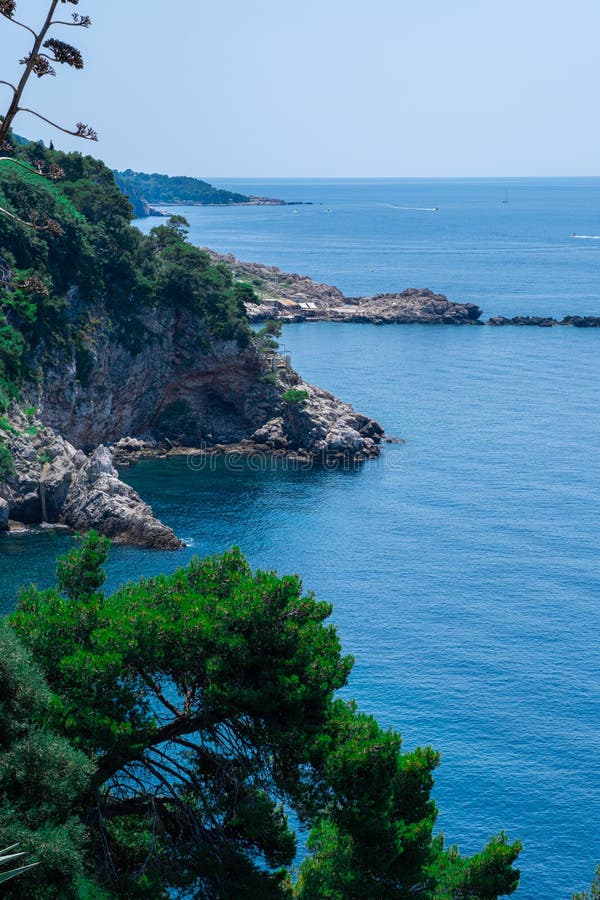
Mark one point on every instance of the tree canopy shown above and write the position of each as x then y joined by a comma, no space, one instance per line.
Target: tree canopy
206,703
169,189
43,779
92,263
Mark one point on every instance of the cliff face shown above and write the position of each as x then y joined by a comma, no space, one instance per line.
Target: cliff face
177,378
182,388
171,388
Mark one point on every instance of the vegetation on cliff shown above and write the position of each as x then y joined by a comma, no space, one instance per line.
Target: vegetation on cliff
86,260
204,703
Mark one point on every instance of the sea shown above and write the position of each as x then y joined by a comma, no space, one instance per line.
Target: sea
463,565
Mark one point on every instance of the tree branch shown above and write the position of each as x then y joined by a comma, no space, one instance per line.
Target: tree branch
20,24
133,806
83,131
82,24
111,762
8,84
159,694
49,225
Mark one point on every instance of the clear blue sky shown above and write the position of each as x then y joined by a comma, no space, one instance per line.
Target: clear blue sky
329,87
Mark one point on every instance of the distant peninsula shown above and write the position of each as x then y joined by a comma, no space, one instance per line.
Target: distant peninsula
287,297
144,191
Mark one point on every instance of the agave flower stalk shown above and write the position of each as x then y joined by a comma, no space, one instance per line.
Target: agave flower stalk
44,52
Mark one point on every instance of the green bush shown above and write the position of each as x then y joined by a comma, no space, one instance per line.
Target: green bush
298,397
7,463
5,425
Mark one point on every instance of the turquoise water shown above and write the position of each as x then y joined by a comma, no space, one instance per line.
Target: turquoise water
463,565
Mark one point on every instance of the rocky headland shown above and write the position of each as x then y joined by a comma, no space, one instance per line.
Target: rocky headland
295,298
176,391
289,297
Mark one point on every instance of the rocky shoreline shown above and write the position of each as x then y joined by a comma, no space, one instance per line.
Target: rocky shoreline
288,297
176,395
546,321
179,392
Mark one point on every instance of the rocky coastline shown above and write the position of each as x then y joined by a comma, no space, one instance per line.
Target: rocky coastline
288,297
177,392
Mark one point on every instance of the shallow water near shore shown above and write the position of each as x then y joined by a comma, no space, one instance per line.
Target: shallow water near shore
464,564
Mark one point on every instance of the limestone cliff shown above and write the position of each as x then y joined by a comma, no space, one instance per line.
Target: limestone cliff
169,386
177,385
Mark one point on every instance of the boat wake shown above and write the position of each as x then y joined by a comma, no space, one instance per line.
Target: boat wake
586,237
413,208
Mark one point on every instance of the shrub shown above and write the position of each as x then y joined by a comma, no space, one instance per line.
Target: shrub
7,463
299,397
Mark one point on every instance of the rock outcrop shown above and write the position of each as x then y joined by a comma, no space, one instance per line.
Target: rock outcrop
296,298
414,306
546,321
165,388
319,427
54,483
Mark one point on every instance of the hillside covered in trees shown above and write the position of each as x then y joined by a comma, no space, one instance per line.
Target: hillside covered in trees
172,190
70,230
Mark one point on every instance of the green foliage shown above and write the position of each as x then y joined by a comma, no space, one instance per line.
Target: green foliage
215,678
294,396
7,463
180,225
157,188
375,840
42,780
79,573
245,292
265,339
206,701
7,426
96,266
272,328
270,378
594,891
186,279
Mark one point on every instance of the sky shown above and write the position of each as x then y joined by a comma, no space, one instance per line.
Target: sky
325,88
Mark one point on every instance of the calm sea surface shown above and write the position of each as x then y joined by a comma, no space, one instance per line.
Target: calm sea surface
464,565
